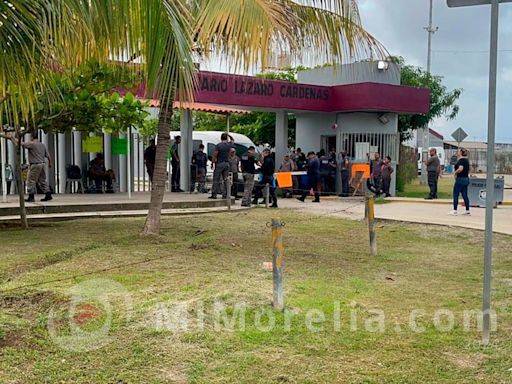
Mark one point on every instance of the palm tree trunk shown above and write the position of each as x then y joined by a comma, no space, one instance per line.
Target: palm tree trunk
152,224
19,181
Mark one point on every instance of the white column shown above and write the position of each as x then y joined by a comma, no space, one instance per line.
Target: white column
186,147
77,149
122,169
107,150
92,155
339,149
281,136
11,160
3,161
129,164
61,161
27,138
44,140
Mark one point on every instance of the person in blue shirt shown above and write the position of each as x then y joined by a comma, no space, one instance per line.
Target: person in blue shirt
313,178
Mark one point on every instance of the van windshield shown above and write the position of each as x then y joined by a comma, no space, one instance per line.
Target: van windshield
240,148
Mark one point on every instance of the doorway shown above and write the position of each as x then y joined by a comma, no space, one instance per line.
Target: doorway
328,142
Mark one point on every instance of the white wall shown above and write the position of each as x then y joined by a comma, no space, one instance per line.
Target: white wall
351,74
311,126
367,123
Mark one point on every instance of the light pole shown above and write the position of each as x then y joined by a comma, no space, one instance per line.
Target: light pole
491,141
426,131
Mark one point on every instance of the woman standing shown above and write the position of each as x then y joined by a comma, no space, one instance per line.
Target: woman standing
461,182
287,165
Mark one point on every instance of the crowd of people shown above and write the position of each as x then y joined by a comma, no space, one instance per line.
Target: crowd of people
251,172
256,172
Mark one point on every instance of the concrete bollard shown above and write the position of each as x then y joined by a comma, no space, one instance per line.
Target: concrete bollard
228,190
370,216
277,264
267,195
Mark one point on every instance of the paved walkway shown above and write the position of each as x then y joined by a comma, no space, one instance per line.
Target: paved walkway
113,198
407,210
413,212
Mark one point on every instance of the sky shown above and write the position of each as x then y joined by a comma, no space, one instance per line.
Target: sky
460,53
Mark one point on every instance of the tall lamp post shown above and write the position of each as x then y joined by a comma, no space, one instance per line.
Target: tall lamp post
426,131
491,141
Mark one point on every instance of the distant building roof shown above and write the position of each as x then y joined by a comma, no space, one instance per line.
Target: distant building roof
436,134
205,107
468,144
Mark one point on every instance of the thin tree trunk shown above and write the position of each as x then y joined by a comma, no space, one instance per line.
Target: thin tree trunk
152,224
19,181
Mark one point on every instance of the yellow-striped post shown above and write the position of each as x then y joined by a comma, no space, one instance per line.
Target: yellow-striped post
370,216
277,264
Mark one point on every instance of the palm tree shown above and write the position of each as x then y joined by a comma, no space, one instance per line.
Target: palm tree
27,29
39,36
246,32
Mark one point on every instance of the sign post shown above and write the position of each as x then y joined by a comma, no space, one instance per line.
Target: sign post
491,138
459,136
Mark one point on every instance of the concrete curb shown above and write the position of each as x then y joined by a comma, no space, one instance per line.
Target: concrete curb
438,201
384,220
116,214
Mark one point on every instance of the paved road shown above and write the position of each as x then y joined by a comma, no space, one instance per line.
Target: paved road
414,212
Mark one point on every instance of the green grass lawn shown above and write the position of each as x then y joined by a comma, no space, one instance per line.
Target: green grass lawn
415,189
204,260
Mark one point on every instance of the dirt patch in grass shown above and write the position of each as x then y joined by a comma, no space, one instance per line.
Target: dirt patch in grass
47,260
29,305
465,361
86,313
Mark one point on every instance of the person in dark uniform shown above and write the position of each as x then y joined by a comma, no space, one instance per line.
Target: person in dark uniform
98,173
313,178
386,172
199,162
234,165
149,159
346,168
267,177
324,171
220,163
248,165
332,171
175,166
433,172
376,177
300,162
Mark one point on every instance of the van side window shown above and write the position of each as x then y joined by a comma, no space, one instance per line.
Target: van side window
195,145
211,149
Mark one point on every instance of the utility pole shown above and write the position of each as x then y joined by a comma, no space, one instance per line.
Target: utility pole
491,143
425,131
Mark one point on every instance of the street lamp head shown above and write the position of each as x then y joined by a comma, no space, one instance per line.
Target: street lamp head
382,65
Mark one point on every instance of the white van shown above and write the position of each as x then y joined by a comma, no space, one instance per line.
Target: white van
440,154
210,139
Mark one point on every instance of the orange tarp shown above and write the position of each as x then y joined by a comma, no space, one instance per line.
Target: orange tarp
365,168
284,179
